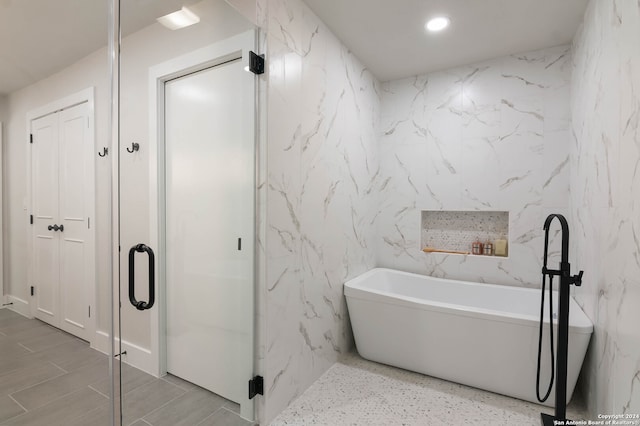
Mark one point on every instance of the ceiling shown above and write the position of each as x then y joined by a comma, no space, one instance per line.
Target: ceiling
388,36
41,37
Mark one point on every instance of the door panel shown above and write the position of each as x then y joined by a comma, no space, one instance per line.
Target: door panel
209,195
46,256
63,267
45,211
74,307
73,168
75,265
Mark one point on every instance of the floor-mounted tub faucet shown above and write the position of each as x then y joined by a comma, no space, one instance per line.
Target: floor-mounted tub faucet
566,279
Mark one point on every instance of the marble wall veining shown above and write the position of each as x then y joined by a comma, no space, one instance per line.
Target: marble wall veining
322,169
605,199
487,136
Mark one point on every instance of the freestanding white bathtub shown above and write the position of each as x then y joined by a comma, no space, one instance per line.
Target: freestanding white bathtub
480,335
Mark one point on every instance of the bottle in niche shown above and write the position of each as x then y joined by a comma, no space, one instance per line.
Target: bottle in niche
476,247
488,249
501,247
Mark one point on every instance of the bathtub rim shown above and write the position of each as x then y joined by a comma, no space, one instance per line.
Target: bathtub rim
355,288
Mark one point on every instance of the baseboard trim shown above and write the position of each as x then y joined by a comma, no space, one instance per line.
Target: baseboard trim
18,305
135,356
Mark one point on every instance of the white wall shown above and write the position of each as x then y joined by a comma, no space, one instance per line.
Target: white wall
487,136
605,198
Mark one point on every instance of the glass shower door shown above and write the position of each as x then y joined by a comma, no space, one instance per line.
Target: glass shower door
187,216
55,319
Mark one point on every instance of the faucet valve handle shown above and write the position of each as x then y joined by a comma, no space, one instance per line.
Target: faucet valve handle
577,279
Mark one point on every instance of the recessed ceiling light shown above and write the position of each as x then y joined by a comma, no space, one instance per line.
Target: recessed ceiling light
180,19
438,23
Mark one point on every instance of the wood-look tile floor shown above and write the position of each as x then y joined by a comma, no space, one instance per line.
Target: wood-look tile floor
50,378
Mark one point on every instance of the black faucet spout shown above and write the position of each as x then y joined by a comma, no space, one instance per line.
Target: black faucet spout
564,226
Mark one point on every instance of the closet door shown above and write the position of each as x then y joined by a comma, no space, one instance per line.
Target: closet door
61,261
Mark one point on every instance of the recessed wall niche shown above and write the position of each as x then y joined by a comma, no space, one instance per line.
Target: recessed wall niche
458,230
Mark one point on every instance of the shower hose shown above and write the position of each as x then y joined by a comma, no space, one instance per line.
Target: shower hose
544,280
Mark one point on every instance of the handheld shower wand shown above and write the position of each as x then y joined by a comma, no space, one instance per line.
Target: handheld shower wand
566,279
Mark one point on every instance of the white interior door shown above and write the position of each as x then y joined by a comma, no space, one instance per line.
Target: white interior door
63,255
209,184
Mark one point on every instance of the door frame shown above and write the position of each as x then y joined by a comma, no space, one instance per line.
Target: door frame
84,96
236,47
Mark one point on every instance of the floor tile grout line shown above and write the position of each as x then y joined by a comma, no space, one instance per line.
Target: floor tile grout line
31,351
77,416
11,334
231,411
210,415
136,387
38,408
96,390
178,386
58,397
39,330
58,343
249,422
58,367
36,384
166,403
20,405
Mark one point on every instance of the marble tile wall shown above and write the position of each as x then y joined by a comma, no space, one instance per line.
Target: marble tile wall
321,182
605,199
487,136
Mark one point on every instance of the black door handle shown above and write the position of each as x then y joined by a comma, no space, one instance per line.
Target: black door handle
141,305
56,228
